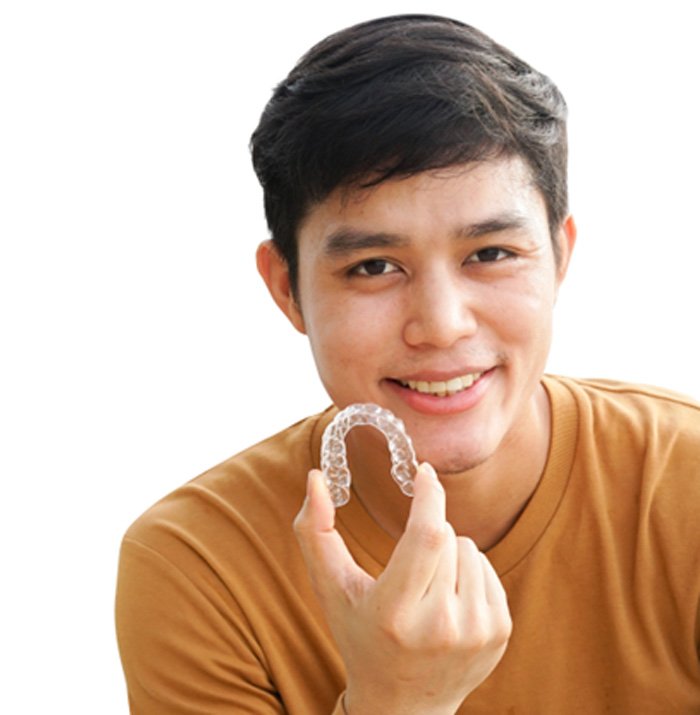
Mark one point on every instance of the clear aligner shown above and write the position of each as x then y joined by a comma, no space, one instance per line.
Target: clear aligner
334,462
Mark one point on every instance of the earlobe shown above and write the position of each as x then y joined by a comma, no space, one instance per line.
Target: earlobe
275,272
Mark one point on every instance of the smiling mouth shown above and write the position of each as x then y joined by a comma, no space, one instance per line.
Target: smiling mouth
442,389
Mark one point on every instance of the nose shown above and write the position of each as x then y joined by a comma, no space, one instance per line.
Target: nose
441,311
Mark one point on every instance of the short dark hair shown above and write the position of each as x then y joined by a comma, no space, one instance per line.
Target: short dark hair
397,96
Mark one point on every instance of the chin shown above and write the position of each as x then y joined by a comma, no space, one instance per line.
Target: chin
454,454
456,464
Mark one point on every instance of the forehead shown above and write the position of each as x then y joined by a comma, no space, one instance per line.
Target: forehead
446,200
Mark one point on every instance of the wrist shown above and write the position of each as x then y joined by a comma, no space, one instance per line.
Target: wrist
371,706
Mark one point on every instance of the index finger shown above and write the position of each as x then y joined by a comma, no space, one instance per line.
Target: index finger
417,554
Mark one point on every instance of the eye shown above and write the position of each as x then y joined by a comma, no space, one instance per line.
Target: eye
491,254
373,267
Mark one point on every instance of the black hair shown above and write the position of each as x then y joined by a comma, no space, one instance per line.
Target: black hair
397,96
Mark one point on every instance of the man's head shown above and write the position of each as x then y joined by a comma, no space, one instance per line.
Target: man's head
395,97
414,177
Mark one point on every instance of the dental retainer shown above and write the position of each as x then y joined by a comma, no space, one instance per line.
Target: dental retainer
334,461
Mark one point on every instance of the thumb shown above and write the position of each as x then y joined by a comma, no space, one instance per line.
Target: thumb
328,561
317,513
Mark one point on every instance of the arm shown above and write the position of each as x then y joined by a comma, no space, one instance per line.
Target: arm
184,651
429,630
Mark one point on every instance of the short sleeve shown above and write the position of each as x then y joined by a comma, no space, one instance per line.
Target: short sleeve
185,651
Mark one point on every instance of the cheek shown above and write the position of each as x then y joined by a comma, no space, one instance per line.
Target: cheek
348,334
523,310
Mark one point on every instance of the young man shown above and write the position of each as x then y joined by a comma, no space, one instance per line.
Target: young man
415,187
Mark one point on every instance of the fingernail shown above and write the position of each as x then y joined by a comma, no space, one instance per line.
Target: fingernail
312,481
317,484
430,470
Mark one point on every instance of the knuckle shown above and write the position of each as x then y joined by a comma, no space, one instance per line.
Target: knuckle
467,547
301,524
479,636
447,634
430,537
394,628
503,630
486,632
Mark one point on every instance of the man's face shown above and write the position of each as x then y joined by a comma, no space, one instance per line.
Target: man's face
432,296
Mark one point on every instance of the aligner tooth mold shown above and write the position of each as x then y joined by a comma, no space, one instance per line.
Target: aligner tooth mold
334,462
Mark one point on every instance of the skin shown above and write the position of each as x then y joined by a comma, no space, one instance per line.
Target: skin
427,278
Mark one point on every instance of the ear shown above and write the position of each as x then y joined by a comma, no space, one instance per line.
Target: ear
566,239
275,272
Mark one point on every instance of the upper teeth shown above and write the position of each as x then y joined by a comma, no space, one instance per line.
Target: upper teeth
450,387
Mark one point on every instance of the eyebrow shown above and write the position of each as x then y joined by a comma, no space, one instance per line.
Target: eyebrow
506,222
346,241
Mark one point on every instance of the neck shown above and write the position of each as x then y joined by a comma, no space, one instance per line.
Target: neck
483,502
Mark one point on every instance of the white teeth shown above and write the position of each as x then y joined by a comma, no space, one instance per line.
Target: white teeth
451,387
454,385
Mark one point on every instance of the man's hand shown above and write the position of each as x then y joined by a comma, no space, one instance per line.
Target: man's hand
429,630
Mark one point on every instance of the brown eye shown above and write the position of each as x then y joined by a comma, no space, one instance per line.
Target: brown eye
374,267
489,255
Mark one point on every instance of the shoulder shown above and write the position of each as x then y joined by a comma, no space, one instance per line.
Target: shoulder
648,433
258,490
620,390
210,574
641,434
607,403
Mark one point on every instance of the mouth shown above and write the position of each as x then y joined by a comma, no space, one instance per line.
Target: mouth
446,388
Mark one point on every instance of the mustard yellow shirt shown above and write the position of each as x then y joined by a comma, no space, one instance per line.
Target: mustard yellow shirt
215,613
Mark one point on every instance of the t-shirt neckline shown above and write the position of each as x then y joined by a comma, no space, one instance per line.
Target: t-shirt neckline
363,535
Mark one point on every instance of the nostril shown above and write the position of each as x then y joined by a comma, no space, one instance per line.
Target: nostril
440,329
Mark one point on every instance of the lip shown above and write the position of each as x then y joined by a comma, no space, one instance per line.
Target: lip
448,405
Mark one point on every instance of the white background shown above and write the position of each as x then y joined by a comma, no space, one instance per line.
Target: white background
138,344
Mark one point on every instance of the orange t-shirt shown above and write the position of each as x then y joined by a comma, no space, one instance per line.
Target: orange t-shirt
215,613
